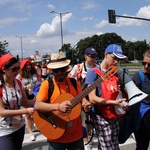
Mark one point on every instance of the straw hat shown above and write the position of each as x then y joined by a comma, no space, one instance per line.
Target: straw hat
69,68
58,60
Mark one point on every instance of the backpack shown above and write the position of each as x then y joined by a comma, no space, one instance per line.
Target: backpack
51,86
110,91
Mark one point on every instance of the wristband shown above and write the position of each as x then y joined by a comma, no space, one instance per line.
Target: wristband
27,111
58,108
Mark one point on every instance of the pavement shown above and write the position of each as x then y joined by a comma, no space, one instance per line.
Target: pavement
41,143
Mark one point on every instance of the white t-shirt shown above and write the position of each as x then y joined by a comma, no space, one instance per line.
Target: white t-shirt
12,99
85,68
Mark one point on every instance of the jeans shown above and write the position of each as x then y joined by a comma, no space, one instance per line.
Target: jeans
142,135
12,141
77,145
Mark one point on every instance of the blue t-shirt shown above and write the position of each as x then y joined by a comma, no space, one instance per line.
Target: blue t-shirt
91,76
142,107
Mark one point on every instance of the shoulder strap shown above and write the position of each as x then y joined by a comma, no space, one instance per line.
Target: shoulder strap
51,87
0,91
37,75
19,83
20,76
141,76
73,82
97,71
85,67
80,66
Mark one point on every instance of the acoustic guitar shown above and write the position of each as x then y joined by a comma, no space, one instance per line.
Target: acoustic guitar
53,124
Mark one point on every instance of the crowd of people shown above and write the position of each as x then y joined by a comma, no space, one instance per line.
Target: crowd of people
67,98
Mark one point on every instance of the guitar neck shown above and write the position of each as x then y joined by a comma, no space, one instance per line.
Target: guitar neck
85,92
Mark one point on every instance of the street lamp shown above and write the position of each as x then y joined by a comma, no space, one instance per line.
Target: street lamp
61,31
21,44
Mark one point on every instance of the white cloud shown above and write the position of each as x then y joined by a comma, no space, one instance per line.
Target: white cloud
127,21
87,18
34,41
144,12
7,21
53,29
101,24
50,6
89,5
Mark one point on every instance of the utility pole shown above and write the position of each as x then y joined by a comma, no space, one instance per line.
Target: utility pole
61,28
21,45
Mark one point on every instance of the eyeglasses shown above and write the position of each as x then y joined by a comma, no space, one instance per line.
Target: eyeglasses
15,69
92,56
59,69
114,57
145,63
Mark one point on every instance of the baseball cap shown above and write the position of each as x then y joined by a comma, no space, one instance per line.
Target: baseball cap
116,50
90,51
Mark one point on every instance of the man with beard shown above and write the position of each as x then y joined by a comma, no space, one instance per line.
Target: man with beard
72,137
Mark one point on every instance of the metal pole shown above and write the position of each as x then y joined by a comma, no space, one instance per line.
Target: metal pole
133,17
21,48
61,28
21,45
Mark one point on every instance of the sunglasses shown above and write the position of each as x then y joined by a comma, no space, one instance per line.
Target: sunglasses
92,56
144,63
15,69
59,69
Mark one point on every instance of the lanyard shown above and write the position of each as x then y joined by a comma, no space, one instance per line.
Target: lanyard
15,96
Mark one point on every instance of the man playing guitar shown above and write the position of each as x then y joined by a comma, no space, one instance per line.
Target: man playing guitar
59,119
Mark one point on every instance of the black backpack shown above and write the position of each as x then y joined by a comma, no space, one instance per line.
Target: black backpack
51,85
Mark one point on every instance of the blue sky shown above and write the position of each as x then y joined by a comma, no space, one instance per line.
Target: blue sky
32,19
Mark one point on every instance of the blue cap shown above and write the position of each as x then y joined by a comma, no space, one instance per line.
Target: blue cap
90,51
116,50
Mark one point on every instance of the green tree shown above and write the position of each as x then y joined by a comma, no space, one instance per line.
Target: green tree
134,50
3,47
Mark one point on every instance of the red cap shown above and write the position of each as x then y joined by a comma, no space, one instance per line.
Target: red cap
4,59
23,62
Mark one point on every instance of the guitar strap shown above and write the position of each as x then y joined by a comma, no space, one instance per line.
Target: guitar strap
51,86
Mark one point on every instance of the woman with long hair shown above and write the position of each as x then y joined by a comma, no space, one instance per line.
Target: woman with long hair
12,98
29,78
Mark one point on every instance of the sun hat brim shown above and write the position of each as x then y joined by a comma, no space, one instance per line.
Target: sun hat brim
59,64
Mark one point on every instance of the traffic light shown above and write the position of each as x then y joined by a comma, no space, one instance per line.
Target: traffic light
111,16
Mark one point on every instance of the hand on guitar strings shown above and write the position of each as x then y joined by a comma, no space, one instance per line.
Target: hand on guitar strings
65,107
